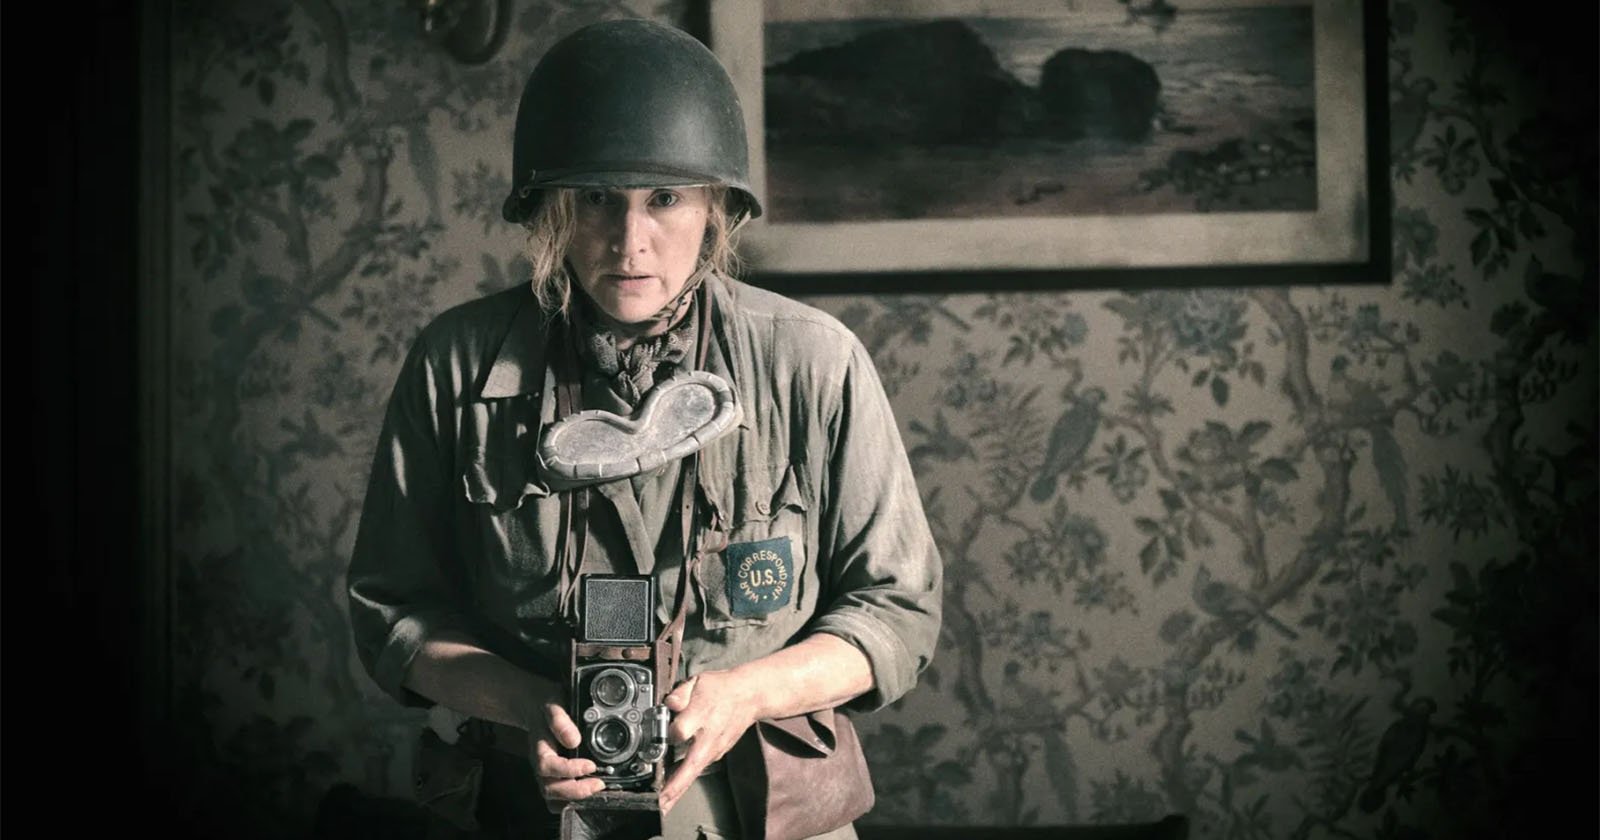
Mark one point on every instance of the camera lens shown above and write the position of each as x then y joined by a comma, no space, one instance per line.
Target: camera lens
612,688
610,738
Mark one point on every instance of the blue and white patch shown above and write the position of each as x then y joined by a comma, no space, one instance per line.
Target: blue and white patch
760,577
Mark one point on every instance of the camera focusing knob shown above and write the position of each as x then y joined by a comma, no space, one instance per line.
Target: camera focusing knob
663,717
591,714
654,749
632,715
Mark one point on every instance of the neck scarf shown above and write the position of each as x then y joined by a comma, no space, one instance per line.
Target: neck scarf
633,371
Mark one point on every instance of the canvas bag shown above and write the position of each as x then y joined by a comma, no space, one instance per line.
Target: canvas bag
799,776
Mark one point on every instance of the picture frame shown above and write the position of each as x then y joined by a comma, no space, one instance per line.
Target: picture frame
872,201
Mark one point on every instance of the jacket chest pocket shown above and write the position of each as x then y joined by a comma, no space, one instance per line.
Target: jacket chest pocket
756,579
507,511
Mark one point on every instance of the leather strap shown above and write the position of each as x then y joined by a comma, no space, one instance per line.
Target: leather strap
688,490
574,537
575,503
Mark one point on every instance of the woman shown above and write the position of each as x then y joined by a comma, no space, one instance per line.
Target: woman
630,167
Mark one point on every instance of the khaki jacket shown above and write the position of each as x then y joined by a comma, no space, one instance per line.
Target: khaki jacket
813,493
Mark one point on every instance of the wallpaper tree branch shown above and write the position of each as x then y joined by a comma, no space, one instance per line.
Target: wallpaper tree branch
1297,561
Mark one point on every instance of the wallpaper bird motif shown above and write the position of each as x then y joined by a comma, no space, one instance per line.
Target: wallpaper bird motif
1295,561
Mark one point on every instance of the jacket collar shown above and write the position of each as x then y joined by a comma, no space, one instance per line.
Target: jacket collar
519,365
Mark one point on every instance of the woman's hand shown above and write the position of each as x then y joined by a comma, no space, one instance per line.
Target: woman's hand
710,711
452,669
560,778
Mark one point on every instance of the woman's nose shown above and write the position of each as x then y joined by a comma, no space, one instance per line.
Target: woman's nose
629,230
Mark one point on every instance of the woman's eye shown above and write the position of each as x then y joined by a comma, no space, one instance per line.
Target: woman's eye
665,199
596,198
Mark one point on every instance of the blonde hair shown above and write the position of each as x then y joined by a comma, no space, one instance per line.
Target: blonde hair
550,235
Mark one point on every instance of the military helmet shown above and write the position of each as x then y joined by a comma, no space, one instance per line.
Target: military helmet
628,104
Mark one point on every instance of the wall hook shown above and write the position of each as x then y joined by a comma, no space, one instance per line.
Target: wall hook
470,30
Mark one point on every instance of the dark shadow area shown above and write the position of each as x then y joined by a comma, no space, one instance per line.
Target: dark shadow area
1171,827
73,612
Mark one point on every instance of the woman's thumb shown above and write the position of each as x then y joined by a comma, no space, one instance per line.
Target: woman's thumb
679,699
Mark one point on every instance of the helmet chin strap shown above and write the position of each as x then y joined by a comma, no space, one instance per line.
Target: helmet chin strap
674,309
669,314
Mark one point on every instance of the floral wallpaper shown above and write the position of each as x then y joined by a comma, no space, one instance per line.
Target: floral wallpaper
1296,561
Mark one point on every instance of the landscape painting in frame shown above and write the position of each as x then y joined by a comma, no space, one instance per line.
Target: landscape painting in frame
907,135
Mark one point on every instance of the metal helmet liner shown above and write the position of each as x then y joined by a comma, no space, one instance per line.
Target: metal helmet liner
628,104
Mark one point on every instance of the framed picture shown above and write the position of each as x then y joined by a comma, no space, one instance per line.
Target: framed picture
967,135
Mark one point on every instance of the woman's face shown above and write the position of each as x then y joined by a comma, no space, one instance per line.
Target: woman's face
633,250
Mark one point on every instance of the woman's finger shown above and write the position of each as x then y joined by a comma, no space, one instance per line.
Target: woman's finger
550,764
557,794
680,779
679,699
561,726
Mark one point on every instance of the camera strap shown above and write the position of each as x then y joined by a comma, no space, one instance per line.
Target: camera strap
574,537
688,492
573,540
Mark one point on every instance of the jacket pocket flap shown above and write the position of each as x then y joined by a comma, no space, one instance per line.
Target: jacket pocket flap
763,492
501,486
788,494
448,780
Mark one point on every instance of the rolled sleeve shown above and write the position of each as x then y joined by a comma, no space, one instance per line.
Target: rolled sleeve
893,667
400,593
884,573
404,642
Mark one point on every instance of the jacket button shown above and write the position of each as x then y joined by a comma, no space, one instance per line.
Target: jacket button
763,508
